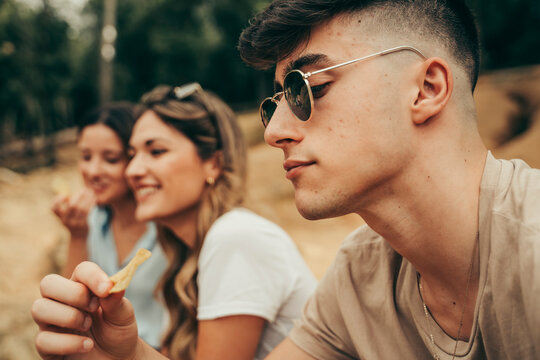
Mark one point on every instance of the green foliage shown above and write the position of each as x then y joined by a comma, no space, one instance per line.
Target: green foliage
34,71
174,42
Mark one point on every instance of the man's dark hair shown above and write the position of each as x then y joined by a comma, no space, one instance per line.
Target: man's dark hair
286,24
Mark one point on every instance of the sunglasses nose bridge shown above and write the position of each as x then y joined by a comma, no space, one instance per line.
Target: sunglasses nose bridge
283,128
277,97
268,107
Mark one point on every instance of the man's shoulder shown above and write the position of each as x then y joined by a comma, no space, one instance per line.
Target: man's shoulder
363,249
518,193
511,253
514,173
361,238
511,216
523,175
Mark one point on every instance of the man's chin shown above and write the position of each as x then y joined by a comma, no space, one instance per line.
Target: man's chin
317,210
311,212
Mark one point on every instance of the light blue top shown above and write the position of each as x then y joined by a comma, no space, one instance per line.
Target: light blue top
149,312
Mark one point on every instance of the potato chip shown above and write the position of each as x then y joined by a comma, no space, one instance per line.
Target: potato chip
60,186
122,278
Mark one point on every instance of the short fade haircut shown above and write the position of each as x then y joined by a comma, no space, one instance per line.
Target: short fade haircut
277,31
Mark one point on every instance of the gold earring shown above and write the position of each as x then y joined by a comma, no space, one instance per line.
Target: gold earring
210,180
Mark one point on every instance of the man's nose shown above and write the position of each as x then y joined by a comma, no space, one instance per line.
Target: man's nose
283,127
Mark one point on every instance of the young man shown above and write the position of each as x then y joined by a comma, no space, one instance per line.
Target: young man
375,115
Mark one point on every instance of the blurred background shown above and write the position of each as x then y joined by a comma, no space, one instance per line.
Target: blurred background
59,58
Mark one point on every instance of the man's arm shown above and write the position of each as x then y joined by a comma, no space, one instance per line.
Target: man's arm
287,350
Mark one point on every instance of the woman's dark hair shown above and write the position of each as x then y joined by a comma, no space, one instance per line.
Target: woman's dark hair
118,116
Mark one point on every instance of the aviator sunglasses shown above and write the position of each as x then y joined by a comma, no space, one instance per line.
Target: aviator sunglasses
298,92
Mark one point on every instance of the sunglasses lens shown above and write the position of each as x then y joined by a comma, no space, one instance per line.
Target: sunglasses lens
267,110
297,95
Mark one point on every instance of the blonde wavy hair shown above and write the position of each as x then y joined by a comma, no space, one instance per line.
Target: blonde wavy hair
211,125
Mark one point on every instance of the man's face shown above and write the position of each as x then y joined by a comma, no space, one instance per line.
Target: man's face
358,140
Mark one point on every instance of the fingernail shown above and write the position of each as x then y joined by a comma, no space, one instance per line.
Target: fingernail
94,303
87,344
87,323
103,287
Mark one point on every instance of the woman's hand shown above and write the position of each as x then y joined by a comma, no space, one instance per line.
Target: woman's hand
73,212
78,319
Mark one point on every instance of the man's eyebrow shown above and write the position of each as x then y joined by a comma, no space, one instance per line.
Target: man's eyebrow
308,59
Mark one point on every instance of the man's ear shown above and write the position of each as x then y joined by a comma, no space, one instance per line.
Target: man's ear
435,84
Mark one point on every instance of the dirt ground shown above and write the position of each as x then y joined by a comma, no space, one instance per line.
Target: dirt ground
33,243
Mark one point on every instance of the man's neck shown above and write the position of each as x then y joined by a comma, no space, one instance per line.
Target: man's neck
431,219
431,216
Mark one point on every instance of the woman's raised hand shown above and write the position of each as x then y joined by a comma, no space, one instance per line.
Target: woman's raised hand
78,319
73,211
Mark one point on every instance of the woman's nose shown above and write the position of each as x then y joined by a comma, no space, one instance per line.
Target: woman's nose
93,167
135,168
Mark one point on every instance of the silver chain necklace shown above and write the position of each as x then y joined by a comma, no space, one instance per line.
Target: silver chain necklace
426,311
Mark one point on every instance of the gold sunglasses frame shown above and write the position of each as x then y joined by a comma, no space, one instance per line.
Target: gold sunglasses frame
305,77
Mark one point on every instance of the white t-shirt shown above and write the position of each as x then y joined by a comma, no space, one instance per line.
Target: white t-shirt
250,266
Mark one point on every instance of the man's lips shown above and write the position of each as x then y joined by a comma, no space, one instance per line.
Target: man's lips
292,167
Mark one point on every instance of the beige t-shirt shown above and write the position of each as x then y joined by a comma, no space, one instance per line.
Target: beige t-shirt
368,304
